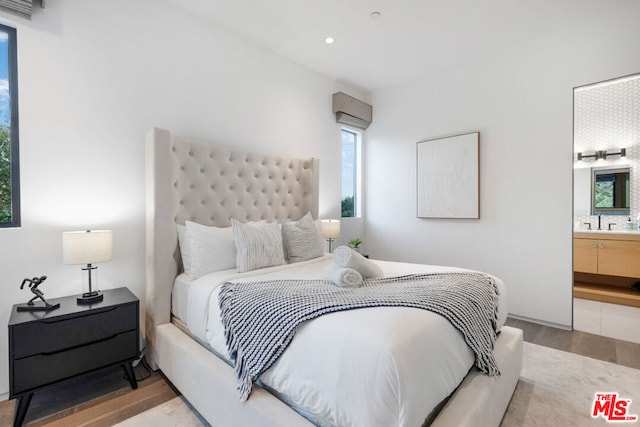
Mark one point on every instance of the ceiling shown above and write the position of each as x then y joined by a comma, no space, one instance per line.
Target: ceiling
410,38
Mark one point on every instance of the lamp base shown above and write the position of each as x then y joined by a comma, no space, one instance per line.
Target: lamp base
330,240
90,297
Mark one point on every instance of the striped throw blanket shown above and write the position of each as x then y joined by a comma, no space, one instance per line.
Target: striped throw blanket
260,318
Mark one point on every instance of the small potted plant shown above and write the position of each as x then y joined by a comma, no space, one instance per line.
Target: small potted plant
355,244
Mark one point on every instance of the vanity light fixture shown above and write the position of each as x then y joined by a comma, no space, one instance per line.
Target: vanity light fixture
602,154
621,153
587,156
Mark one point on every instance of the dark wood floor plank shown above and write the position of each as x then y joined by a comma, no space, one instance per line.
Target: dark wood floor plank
582,343
529,329
594,346
124,390
106,412
559,339
6,412
115,410
628,354
105,416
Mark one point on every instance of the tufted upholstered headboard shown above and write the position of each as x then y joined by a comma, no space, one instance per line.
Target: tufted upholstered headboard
210,184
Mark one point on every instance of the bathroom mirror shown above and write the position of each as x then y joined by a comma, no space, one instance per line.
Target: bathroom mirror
610,191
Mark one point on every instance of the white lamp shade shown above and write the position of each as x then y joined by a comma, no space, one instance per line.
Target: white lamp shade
86,247
330,228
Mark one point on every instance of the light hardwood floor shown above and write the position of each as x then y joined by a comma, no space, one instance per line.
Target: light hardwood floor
594,346
103,398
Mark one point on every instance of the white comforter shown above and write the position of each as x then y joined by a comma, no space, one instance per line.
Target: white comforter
381,366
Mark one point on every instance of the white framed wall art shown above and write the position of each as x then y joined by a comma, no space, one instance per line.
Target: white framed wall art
448,177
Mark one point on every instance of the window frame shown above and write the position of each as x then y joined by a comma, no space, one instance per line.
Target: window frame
357,185
14,133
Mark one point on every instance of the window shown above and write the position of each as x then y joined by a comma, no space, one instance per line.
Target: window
350,174
9,173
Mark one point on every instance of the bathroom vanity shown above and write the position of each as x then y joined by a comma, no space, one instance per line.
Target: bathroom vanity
606,264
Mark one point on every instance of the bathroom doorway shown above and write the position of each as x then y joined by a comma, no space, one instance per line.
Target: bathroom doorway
606,243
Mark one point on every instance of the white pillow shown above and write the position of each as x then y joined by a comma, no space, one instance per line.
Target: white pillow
211,249
258,245
185,253
302,240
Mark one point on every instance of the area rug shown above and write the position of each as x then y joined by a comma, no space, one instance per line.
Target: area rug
556,388
173,413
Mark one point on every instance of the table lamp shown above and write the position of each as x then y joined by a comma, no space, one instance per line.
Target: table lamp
330,229
87,247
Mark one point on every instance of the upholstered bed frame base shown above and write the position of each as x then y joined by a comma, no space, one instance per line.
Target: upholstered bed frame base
180,176
209,384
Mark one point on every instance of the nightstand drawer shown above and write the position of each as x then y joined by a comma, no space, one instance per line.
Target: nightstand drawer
42,369
49,336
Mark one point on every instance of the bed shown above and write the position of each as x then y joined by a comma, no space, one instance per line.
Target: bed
190,180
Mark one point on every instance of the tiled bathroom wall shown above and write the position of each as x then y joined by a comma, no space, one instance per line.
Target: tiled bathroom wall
607,117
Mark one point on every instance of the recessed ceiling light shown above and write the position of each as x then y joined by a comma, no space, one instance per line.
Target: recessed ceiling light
375,15
329,40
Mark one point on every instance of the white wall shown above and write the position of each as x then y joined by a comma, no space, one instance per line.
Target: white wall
92,80
521,102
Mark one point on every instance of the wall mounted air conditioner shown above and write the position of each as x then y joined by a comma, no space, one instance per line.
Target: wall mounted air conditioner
351,111
21,8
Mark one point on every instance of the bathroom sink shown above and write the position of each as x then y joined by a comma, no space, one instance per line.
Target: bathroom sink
607,231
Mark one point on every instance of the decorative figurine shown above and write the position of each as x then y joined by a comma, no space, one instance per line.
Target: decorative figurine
31,305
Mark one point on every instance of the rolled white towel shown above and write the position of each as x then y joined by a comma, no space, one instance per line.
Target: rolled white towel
341,255
343,277
344,256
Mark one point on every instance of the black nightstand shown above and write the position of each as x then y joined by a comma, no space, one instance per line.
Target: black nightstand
47,347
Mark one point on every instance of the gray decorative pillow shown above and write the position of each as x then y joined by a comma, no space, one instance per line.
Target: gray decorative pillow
302,240
258,245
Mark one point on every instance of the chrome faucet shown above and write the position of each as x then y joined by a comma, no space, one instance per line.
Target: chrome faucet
610,224
588,224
